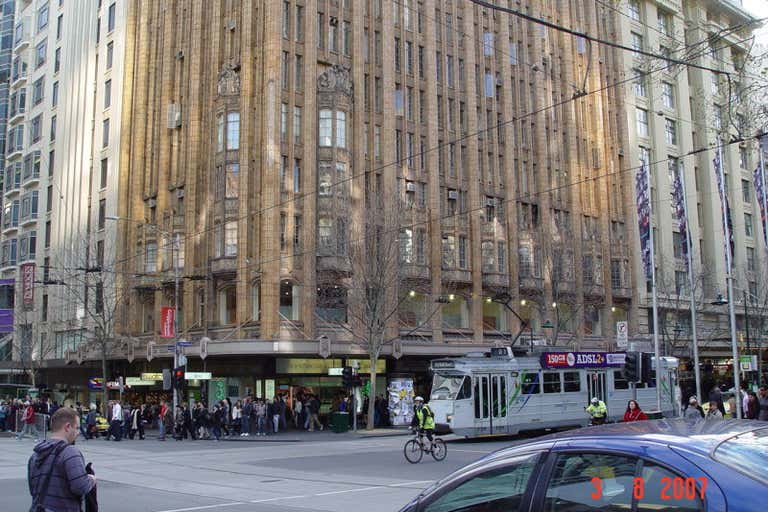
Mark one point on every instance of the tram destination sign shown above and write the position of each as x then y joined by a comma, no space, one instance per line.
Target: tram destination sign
582,359
442,365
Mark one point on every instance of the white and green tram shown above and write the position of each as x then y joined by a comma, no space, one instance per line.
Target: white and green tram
497,393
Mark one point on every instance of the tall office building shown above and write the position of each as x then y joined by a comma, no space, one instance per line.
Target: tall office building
62,157
672,112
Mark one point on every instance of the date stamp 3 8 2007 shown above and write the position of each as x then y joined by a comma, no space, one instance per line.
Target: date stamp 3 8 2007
670,489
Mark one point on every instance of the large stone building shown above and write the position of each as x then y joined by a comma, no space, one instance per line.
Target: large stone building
264,134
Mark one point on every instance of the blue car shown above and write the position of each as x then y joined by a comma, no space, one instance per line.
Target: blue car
647,466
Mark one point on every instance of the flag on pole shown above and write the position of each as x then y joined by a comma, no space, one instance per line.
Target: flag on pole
727,222
757,180
643,199
678,196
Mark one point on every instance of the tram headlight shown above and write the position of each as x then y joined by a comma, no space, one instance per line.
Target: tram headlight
449,418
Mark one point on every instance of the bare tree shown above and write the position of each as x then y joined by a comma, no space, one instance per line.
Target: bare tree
375,291
92,298
31,355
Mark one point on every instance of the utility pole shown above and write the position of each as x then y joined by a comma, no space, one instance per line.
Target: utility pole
175,257
746,329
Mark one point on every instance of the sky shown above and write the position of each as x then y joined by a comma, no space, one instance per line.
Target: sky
759,9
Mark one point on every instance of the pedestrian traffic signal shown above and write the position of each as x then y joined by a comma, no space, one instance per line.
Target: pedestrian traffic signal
179,380
357,381
646,368
631,369
346,377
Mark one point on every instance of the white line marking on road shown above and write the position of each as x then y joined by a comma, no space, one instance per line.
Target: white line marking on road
350,490
406,484
204,507
278,498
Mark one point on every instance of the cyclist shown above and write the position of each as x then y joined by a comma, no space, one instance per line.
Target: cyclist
423,419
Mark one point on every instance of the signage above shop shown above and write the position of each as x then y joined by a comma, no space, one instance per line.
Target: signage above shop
198,376
136,381
152,376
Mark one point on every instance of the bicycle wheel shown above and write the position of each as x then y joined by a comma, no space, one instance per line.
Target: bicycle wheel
413,452
439,449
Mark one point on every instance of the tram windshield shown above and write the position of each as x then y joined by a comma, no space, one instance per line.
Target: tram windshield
448,387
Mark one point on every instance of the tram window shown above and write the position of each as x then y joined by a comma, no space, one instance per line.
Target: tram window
619,381
572,381
466,389
552,382
477,397
485,396
503,394
531,383
495,396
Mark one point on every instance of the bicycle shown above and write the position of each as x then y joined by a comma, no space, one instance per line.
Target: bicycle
414,449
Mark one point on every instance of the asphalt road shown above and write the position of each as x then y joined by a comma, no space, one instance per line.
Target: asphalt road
321,472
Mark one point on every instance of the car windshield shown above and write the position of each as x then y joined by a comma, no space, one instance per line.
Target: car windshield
445,387
747,452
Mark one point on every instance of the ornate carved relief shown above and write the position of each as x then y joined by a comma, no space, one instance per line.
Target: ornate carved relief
229,80
335,79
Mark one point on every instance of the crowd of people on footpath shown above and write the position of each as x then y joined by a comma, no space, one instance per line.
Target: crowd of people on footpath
754,406
19,415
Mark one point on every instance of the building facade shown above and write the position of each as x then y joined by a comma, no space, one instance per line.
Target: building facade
263,142
62,156
673,112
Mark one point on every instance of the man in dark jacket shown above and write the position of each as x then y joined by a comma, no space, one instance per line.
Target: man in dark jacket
56,470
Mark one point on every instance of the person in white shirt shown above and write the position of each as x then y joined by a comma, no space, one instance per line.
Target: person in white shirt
115,425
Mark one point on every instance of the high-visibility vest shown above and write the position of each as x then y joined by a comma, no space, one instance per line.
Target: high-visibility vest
425,417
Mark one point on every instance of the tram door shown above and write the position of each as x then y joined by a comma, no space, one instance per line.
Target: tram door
596,386
490,401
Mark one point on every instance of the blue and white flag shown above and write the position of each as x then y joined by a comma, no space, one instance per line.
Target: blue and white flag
643,200
726,208
678,196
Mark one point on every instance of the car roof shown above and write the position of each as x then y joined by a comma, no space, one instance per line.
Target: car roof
693,435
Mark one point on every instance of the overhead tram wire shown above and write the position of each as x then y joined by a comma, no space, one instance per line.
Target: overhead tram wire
296,197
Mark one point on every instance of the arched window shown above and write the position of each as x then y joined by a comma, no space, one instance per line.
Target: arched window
325,128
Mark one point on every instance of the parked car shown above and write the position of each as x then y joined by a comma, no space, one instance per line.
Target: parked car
714,465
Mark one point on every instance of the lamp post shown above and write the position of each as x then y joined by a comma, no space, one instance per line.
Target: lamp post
175,258
720,301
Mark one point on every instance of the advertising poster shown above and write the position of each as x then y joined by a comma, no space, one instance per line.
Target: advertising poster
401,395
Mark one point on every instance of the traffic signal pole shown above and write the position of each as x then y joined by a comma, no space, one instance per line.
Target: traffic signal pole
175,257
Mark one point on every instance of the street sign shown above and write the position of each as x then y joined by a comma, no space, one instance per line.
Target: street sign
182,360
198,376
622,336
335,372
184,343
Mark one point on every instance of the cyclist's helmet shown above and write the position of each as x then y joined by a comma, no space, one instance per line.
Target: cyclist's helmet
418,399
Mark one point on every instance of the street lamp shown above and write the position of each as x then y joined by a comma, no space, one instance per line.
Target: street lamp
175,258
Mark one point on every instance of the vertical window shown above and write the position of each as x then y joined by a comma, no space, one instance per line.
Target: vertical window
748,225
668,94
299,23
233,131
53,128
111,18
296,175
325,127
751,259
104,172
341,129
220,132
670,131
347,36
40,54
105,133
298,76
284,70
746,191
634,9
55,94
42,18
110,54
150,261
283,122
488,44
637,41
107,93
320,30
59,26
57,60
639,83
232,181
230,239
297,124
286,20
642,122
102,213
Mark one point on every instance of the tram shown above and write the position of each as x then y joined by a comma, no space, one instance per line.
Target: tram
498,393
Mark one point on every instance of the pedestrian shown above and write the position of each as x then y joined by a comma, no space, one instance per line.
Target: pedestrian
273,411
314,413
126,425
90,422
245,418
216,420
752,410
236,417
762,401
714,413
715,395
634,412
3,415
161,414
297,408
260,412
693,411
282,411
731,407
137,423
188,426
56,471
28,423
225,416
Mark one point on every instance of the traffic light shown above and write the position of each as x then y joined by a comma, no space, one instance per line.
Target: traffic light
647,374
346,377
357,381
632,366
179,381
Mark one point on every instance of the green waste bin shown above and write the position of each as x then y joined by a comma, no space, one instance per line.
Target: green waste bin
340,422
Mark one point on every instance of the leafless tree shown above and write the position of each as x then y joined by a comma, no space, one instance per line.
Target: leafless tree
31,355
92,298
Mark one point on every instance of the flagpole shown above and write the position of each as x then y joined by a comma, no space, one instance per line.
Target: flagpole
764,198
691,280
656,352
729,280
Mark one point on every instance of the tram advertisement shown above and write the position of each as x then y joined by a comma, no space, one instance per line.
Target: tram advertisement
582,359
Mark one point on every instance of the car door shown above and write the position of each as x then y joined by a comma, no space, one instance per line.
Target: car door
504,486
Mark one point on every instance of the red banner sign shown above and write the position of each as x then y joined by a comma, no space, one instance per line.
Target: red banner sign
28,284
167,320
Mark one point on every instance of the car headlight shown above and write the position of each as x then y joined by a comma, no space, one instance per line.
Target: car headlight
449,418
